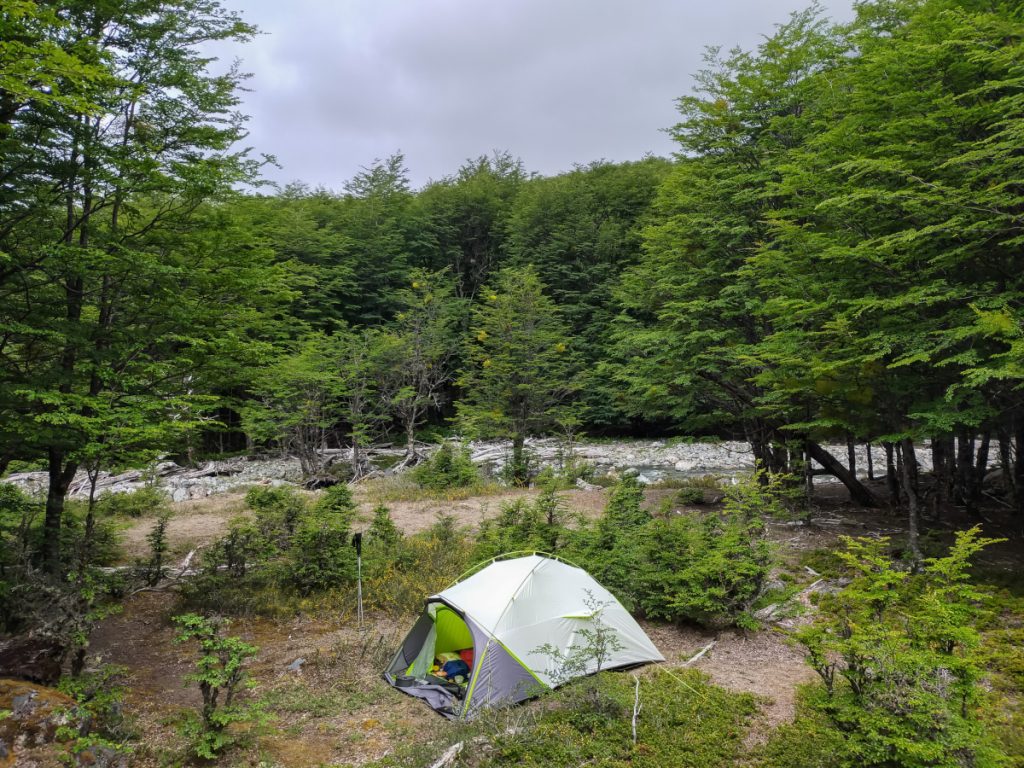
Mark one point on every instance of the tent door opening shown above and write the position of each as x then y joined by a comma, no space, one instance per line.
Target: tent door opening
435,663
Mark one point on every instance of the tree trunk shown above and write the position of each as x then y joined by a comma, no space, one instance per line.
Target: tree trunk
981,465
871,461
60,477
1005,466
858,492
942,469
1018,465
913,512
965,471
851,455
520,472
891,480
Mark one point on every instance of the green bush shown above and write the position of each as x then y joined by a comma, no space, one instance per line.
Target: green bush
898,656
689,496
321,555
277,509
703,568
706,568
685,722
383,531
449,467
221,676
336,500
524,525
147,500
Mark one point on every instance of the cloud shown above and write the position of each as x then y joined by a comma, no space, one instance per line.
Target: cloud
556,82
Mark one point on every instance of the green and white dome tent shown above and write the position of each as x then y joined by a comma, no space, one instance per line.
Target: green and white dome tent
504,620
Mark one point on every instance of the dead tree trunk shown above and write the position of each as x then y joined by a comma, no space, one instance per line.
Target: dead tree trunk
892,482
858,492
913,507
871,461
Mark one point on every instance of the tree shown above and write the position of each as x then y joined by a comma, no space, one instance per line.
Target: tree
421,348
298,402
520,374
103,307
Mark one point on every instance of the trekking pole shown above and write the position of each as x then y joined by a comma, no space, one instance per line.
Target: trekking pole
357,542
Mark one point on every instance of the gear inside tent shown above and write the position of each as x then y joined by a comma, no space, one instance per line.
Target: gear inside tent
493,637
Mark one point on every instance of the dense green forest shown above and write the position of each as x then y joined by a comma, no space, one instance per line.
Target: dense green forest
833,255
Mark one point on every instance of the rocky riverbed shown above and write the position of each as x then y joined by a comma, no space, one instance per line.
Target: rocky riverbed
653,460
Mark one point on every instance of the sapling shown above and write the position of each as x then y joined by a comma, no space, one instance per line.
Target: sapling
220,674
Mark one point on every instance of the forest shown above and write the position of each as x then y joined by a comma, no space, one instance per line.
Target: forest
831,258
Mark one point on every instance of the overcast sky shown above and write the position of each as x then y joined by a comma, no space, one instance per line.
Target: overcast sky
337,83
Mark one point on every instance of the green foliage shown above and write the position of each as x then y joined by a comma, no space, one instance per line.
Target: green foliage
221,676
897,654
707,568
524,525
685,722
320,556
448,467
158,546
98,720
383,531
336,500
520,373
277,509
146,500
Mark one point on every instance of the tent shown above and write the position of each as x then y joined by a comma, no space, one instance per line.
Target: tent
497,619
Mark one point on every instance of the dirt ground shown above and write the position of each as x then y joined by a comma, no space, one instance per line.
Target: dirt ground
353,725
323,674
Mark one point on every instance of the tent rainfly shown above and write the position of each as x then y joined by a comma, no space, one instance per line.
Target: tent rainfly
492,625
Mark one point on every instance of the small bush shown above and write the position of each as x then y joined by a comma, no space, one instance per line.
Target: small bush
221,676
383,531
336,500
147,500
277,509
98,722
321,556
708,569
523,525
897,654
705,568
449,467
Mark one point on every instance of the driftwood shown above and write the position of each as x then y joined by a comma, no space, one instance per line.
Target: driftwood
697,656
637,706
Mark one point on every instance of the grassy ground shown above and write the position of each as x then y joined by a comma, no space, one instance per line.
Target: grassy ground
333,708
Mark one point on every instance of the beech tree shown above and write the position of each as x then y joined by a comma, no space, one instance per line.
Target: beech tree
521,373
104,307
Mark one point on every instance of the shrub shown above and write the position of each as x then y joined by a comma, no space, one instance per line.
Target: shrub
220,675
277,509
685,723
419,565
336,500
703,568
690,495
244,545
449,467
523,525
383,530
147,500
158,546
97,725
897,656
321,555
